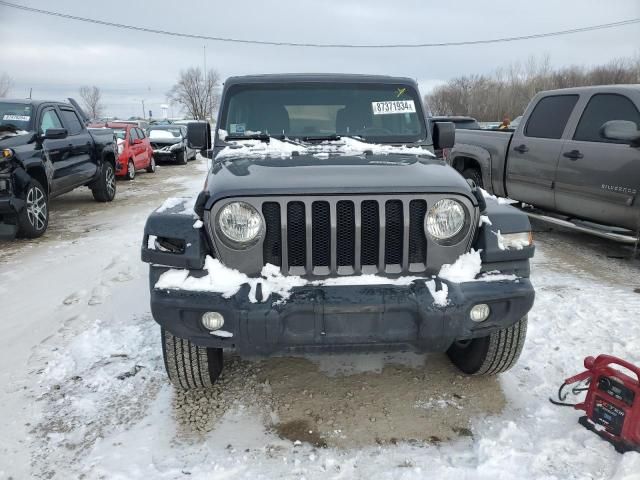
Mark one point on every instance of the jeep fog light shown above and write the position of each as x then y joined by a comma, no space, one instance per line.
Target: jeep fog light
212,320
480,312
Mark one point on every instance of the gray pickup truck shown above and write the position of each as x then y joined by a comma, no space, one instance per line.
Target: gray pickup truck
575,155
327,224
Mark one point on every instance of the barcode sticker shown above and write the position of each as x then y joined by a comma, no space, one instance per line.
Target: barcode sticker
393,106
17,118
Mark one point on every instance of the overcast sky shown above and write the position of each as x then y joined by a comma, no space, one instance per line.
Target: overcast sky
55,56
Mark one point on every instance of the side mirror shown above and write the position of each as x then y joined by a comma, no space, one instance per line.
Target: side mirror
444,135
199,135
55,134
623,130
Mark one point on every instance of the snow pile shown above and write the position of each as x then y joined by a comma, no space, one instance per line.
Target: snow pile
187,204
228,281
484,220
465,269
499,200
347,146
440,297
514,243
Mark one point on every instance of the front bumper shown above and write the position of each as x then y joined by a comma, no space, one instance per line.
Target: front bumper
167,156
342,318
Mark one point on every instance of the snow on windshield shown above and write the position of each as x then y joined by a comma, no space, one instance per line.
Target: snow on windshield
284,149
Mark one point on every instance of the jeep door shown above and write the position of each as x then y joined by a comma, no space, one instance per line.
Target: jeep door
56,153
80,167
532,158
598,178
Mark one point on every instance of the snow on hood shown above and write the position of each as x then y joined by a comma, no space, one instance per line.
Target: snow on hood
161,134
499,200
346,146
186,205
12,133
228,281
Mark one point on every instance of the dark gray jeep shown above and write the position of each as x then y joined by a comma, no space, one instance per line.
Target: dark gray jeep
326,224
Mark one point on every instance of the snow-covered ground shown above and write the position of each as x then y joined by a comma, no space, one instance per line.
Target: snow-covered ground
83,390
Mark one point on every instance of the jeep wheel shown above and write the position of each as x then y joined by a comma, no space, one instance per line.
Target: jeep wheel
131,171
473,174
34,217
152,165
104,189
489,355
190,366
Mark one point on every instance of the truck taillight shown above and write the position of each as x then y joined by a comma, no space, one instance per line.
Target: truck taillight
445,153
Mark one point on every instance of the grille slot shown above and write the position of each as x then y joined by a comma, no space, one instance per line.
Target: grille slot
321,237
370,236
393,232
296,235
417,237
272,246
346,233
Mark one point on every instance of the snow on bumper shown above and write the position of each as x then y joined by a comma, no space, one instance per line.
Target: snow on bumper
266,316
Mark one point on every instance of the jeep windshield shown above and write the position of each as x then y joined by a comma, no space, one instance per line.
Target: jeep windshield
376,113
15,116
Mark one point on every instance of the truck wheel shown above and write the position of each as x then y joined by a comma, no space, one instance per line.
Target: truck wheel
473,174
190,366
131,171
104,189
34,217
152,165
489,355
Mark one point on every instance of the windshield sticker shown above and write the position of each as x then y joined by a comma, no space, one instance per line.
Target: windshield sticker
393,106
401,91
237,128
17,118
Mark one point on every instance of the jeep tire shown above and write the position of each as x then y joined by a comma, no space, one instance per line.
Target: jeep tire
495,353
190,366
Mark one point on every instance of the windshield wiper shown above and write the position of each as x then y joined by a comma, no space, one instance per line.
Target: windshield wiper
254,136
321,138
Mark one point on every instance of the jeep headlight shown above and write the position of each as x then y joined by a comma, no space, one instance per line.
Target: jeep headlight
445,219
239,222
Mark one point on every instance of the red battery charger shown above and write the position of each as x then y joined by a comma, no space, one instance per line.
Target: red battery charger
612,403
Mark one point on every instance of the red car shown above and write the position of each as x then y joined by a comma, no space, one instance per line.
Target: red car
135,152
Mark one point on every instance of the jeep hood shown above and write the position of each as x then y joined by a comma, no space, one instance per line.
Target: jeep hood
334,174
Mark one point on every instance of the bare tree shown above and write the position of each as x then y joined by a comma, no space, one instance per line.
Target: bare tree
197,95
5,85
92,99
508,90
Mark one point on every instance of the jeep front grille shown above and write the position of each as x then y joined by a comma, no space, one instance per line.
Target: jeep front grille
344,235
359,233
